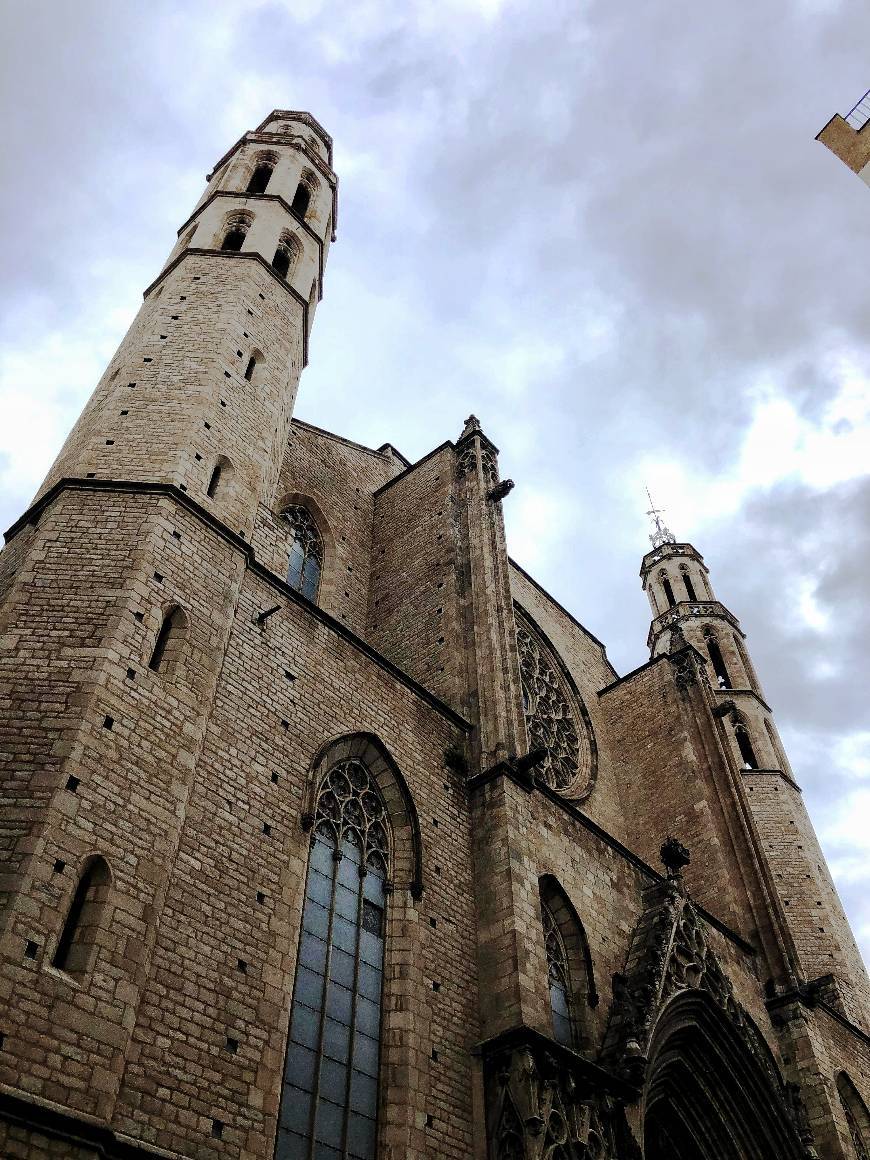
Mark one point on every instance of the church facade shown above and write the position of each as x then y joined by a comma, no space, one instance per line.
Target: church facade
327,833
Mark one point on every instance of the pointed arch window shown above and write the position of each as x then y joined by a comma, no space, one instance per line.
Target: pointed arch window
302,198
717,661
857,1117
329,1098
235,231
687,582
261,176
744,744
558,979
667,589
85,917
305,557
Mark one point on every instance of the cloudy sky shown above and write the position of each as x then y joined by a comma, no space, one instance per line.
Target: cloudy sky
604,228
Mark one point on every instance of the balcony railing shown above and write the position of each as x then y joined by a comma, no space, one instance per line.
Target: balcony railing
860,114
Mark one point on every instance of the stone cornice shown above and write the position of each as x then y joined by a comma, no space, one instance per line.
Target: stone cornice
78,1130
248,255
780,773
297,220
686,610
169,491
666,552
807,999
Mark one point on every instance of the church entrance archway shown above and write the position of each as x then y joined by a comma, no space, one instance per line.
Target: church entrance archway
713,1092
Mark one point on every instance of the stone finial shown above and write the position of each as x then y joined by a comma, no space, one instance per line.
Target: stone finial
472,427
674,856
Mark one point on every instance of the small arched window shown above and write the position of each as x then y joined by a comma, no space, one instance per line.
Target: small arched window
717,661
305,556
744,744
285,255
329,1099
85,917
857,1116
667,589
170,638
687,581
251,367
301,199
235,232
260,178
219,477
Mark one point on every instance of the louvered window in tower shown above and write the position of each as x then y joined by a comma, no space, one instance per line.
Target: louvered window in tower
305,557
329,1099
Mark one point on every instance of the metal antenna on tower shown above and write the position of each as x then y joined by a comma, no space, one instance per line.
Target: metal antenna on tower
661,532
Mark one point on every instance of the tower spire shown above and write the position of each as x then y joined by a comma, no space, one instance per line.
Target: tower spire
661,532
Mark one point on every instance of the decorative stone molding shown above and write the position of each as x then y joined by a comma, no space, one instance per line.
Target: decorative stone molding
545,1103
670,953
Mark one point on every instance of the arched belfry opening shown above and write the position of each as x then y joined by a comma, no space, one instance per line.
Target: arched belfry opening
709,1095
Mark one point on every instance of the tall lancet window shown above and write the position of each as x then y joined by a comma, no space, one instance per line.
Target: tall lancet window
559,978
329,1099
305,556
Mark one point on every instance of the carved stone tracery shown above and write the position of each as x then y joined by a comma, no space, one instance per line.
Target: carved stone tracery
555,720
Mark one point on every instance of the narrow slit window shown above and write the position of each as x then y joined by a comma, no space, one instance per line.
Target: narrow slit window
558,980
84,920
668,591
690,590
170,638
329,1098
249,369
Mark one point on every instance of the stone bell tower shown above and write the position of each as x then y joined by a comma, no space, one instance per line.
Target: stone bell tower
200,393
686,612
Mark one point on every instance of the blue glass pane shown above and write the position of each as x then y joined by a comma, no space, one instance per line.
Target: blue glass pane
371,949
361,1137
312,953
310,578
344,934
368,1017
365,1054
322,1152
309,988
373,888
336,1039
295,560
559,1000
329,1125
315,918
333,1081
321,857
339,1003
562,1029
295,1109
346,902
348,867
300,1066
319,887
352,852
341,967
291,1146
305,1025
369,982
364,1094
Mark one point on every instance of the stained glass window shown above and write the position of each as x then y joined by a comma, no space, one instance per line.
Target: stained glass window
305,558
558,978
330,1093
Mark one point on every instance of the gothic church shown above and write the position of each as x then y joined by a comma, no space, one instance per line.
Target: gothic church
329,835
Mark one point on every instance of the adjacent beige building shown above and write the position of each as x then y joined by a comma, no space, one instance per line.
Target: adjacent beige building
329,834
